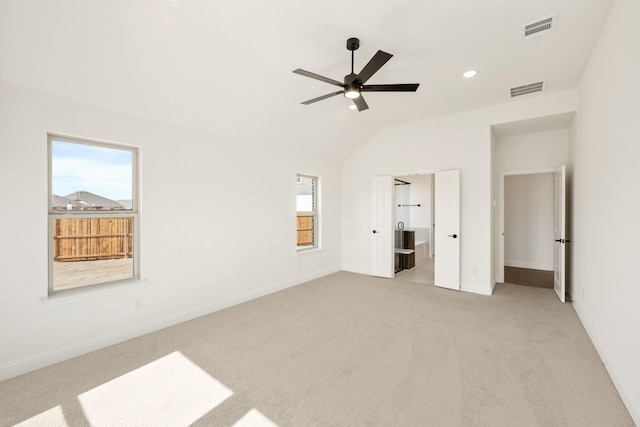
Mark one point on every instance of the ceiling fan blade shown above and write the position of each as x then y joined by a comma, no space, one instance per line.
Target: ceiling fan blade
408,87
320,98
360,103
378,60
318,77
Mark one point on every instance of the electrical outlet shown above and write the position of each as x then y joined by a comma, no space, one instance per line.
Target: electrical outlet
137,303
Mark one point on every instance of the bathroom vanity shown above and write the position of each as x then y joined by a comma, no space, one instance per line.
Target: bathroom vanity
405,249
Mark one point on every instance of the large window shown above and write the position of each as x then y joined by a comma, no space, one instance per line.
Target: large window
93,213
307,212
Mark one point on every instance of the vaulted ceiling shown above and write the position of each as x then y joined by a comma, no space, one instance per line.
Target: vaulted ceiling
226,67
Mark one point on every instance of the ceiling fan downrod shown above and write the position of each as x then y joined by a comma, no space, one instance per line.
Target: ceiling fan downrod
353,44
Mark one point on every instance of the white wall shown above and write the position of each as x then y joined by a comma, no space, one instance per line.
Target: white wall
204,245
528,225
605,149
539,150
419,193
401,198
461,141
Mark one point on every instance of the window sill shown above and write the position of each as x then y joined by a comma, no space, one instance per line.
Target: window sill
92,290
306,251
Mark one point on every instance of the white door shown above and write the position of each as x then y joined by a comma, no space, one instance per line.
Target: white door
382,246
559,232
447,229
432,240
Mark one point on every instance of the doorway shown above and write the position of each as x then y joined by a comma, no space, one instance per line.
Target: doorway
528,229
413,228
446,234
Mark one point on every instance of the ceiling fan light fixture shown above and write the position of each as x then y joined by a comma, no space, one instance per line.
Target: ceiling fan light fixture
352,93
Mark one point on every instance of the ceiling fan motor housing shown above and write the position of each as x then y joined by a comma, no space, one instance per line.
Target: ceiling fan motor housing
353,43
351,80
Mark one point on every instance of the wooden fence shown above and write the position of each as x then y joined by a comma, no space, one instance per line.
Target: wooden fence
86,239
305,229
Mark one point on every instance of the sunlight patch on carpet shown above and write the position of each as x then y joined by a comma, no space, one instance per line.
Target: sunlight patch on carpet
171,391
254,418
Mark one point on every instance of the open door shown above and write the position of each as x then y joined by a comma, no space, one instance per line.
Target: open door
382,246
559,232
447,229
432,235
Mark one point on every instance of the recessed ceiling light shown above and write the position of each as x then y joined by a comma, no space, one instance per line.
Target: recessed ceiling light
470,73
352,106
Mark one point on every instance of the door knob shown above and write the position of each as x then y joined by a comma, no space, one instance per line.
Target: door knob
374,231
455,236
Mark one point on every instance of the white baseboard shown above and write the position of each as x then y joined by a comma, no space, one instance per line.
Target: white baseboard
617,377
526,264
60,354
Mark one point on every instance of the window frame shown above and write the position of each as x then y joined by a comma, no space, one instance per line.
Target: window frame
315,213
53,215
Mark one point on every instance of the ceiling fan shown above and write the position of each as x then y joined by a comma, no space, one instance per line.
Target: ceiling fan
354,84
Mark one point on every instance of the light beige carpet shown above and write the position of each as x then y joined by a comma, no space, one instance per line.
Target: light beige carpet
343,350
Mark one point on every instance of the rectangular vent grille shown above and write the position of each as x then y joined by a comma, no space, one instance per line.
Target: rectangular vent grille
540,28
525,89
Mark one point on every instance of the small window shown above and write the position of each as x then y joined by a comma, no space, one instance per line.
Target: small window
307,212
93,213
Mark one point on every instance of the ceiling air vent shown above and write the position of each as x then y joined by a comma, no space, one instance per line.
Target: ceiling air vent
540,28
525,89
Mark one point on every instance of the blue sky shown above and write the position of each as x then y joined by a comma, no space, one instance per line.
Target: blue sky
106,172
